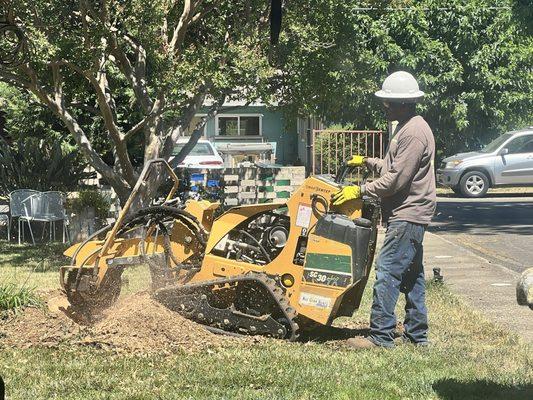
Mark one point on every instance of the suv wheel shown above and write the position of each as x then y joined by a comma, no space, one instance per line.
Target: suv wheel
474,184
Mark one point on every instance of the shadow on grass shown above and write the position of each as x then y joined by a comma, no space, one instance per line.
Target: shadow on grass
43,256
451,389
324,334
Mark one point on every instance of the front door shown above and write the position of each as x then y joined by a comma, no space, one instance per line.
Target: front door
516,167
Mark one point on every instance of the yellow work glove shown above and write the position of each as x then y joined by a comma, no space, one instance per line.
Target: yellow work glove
356,161
345,194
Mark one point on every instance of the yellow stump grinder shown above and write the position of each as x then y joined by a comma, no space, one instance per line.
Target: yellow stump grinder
261,269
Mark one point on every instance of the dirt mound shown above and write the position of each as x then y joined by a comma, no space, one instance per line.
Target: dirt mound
137,324
140,324
37,327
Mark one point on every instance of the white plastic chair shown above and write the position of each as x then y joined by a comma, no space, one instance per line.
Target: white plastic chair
45,207
16,207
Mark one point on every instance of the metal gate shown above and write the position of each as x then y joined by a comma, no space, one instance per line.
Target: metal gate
330,148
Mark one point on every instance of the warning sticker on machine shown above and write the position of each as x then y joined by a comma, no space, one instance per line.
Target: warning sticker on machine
314,300
303,218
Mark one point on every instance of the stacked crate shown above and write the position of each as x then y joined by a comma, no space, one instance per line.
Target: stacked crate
197,180
240,186
250,185
276,184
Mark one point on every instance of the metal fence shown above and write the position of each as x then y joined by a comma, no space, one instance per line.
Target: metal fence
330,148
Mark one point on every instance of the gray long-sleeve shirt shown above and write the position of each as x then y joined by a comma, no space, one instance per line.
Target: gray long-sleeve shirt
406,185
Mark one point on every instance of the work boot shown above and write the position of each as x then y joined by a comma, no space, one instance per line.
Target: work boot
406,340
361,343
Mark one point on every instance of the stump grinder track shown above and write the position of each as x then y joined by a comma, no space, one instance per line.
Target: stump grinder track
262,269
245,304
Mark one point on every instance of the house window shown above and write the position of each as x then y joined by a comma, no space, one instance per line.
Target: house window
228,126
239,125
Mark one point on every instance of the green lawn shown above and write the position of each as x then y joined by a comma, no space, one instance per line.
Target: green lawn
470,358
32,266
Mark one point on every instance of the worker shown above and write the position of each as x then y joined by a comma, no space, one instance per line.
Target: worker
406,188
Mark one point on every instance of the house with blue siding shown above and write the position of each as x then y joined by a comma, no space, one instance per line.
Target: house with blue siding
254,132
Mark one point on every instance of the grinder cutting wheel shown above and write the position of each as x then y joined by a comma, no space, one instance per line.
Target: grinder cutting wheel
268,269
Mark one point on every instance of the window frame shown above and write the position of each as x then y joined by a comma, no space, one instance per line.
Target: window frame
238,116
529,135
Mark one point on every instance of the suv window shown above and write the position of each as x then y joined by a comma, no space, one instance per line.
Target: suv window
522,144
492,146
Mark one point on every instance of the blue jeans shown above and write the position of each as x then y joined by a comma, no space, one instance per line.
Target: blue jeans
399,269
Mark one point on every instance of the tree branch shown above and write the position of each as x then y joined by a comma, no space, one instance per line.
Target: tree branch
164,31
196,134
114,131
156,111
205,10
58,83
183,24
136,75
121,186
99,84
83,106
194,106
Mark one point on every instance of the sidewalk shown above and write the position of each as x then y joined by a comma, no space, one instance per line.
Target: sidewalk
486,286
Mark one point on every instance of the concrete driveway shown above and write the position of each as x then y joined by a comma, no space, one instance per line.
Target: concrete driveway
498,227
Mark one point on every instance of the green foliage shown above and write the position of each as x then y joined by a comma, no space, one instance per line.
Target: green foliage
39,165
91,199
473,58
523,13
225,50
40,153
25,117
473,61
14,297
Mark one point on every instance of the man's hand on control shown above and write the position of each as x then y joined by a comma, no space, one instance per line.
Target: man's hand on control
356,161
345,194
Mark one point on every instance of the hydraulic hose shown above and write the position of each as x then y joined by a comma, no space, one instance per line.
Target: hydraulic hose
258,244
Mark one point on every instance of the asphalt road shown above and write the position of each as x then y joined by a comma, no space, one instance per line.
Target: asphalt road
498,227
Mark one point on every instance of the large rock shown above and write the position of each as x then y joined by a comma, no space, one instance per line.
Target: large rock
524,289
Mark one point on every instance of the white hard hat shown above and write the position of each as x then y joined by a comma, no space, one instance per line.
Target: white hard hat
401,87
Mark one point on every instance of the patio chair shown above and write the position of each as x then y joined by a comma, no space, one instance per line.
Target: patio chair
55,211
4,217
45,207
16,207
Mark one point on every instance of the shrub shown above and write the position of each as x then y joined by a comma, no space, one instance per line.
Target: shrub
91,198
13,298
40,165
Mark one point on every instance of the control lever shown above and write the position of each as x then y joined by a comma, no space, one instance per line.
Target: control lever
345,169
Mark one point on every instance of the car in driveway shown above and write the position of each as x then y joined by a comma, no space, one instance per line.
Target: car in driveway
506,161
203,155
